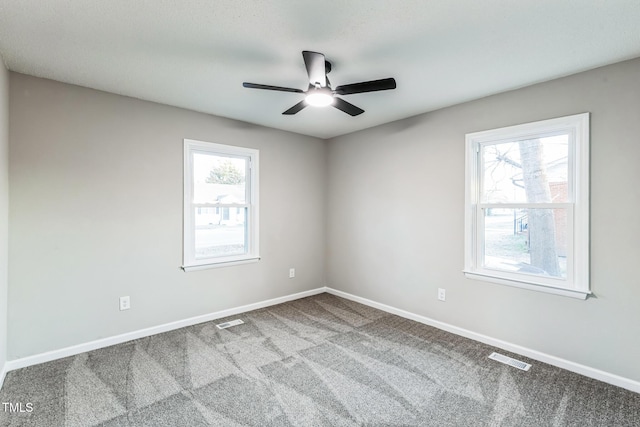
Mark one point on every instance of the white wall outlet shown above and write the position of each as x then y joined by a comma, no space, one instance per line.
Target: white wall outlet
292,273
125,303
442,295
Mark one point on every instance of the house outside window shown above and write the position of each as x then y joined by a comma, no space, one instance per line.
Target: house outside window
527,206
220,205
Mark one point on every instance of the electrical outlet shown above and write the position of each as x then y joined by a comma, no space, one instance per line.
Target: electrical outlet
292,273
125,303
442,294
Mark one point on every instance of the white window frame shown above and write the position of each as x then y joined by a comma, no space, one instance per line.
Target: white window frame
190,262
577,282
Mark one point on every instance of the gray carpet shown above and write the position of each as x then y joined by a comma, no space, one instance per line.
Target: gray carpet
317,361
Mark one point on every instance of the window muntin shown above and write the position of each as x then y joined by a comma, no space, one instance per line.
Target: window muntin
220,220
527,205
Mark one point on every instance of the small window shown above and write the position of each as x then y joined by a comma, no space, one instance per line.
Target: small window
527,206
219,179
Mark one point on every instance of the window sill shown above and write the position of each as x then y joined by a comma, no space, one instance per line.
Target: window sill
573,293
188,268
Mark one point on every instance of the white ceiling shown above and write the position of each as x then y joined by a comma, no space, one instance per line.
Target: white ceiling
195,54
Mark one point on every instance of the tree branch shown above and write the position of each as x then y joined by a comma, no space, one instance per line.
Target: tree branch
505,159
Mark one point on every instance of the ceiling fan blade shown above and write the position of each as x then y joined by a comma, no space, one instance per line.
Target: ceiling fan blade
348,108
299,106
371,86
279,88
314,62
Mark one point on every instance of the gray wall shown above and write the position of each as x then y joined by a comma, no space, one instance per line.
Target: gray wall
4,208
395,221
96,213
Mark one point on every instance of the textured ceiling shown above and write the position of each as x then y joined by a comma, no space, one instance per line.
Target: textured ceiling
195,54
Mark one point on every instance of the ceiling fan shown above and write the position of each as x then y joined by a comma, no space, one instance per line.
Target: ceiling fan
319,92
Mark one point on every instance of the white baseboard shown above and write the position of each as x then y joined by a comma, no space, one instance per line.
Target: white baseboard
587,371
118,339
3,374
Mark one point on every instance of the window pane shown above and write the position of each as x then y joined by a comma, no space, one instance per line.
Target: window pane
221,234
526,171
530,241
219,179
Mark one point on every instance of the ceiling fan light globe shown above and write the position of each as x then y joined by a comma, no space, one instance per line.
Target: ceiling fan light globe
319,99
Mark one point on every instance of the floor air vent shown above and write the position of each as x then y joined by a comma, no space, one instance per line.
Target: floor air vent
509,361
229,324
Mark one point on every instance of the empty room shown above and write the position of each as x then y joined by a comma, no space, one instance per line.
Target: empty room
295,213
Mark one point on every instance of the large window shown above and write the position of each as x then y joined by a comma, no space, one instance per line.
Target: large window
220,205
527,206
